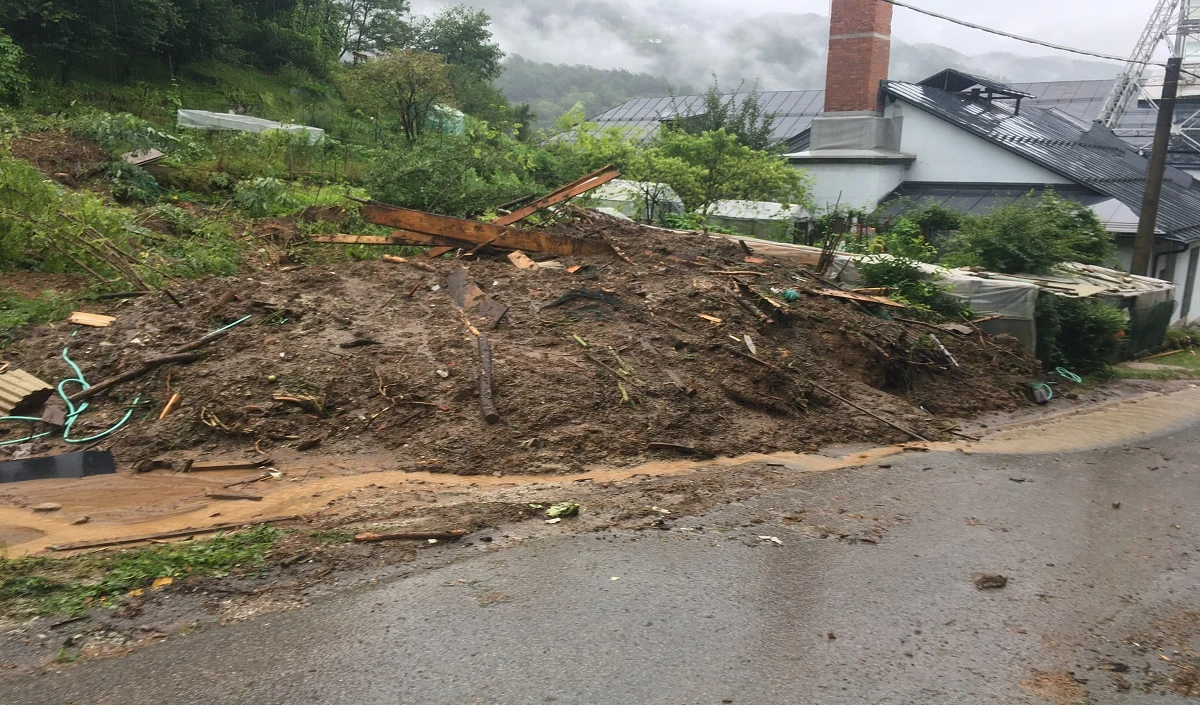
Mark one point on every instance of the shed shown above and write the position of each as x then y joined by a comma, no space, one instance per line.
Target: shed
760,219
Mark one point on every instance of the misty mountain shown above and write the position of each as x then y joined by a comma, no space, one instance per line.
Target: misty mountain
683,43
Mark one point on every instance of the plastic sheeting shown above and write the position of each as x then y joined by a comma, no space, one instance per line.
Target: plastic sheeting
631,198
205,120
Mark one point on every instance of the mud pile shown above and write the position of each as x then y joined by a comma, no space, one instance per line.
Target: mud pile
677,343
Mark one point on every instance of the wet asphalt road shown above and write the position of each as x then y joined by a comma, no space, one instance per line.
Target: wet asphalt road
716,615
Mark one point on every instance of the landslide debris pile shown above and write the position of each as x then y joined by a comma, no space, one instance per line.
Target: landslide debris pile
677,341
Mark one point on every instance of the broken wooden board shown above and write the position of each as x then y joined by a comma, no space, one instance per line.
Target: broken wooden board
861,298
574,189
466,293
227,495
95,320
521,261
448,231
492,311
213,465
182,533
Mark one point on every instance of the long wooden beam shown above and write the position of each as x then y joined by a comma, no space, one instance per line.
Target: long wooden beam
576,188
451,230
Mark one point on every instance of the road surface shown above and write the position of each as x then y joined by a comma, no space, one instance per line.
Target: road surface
1101,605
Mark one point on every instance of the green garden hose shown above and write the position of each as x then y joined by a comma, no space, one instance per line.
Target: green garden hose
74,412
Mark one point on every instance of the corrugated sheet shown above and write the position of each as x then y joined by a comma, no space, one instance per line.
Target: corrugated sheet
1092,156
19,389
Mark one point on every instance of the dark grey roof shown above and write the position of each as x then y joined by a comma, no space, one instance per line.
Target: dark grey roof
793,110
957,81
979,199
1087,154
796,109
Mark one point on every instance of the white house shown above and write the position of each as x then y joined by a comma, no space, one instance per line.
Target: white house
971,143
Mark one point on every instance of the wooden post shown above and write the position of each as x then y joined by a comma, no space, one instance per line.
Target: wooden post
1143,244
490,414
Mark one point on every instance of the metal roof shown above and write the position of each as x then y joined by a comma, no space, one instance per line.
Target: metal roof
795,110
1089,155
957,81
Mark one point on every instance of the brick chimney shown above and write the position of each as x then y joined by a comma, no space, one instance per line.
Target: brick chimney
860,47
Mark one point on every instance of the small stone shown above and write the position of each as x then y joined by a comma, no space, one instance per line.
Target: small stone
47,507
81,520
989,581
1116,505
831,636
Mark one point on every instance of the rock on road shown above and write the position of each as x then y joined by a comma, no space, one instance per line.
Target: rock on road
1100,604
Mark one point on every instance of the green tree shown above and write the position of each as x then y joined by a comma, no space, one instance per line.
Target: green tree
1032,236
373,25
739,114
463,37
404,86
722,168
13,79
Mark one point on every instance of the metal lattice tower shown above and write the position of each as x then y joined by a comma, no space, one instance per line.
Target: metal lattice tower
1175,26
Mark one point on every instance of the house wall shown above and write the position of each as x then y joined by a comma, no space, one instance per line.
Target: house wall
852,184
1173,266
950,154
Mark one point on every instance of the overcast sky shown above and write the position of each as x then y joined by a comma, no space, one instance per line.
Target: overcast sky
1110,26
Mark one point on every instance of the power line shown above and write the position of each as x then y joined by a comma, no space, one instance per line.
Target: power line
1029,40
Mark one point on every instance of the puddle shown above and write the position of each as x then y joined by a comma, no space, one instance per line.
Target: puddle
133,505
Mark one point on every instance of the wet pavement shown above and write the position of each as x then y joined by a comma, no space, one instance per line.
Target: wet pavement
1101,604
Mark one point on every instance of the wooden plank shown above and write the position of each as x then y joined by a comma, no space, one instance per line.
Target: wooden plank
412,536
93,320
211,465
501,237
521,261
182,533
862,298
397,238
574,189
466,293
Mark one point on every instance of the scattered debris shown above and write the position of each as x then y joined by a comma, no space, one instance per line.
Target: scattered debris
93,320
989,581
70,466
21,393
580,186
234,496
773,539
521,261
564,510
213,465
412,536
170,406
143,157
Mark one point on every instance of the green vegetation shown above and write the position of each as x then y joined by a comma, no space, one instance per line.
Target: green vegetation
1082,335
1031,236
14,81
17,311
894,264
46,586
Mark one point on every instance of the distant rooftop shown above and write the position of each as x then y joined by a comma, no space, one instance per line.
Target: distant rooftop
795,110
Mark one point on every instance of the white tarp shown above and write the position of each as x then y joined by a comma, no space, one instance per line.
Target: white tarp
637,199
204,120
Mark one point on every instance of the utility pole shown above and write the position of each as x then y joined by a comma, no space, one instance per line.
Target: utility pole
1143,246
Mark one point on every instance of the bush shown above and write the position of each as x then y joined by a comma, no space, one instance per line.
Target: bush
459,176
1082,335
14,81
1032,236
905,248
265,197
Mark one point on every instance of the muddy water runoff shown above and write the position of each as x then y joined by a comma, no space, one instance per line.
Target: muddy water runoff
125,505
